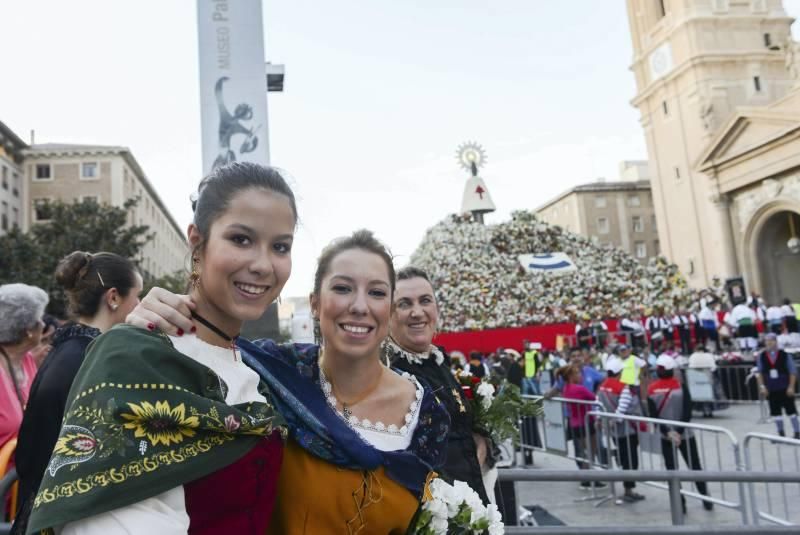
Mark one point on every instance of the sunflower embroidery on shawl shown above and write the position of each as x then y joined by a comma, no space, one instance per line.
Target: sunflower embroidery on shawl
160,423
75,445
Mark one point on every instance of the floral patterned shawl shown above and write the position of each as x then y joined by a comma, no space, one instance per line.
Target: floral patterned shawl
142,419
292,373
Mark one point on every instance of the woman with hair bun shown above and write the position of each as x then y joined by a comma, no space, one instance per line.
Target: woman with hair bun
102,289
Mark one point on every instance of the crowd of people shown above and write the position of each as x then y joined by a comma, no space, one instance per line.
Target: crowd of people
647,379
482,285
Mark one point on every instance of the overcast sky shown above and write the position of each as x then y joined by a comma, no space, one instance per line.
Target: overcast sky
378,95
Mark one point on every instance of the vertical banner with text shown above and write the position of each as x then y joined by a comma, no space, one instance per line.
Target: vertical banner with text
233,83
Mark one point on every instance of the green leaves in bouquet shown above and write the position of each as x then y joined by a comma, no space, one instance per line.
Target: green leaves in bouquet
501,419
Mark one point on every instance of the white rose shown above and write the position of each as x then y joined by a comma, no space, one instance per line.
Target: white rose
437,508
486,389
440,525
494,514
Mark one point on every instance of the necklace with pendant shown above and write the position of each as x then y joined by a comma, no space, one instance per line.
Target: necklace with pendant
219,332
347,405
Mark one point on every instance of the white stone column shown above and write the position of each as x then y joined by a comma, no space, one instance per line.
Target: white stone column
722,211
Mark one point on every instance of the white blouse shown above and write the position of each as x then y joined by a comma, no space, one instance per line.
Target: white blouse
166,514
378,434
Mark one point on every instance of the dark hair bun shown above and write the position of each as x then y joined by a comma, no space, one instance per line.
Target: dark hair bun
72,269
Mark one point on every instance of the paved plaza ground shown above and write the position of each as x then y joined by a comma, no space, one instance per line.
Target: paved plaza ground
573,506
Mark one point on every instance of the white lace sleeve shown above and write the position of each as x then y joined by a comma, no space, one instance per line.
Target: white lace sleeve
164,514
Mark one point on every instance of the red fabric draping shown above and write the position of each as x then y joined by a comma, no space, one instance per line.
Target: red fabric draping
490,340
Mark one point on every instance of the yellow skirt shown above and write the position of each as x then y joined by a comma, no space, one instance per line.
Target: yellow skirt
317,498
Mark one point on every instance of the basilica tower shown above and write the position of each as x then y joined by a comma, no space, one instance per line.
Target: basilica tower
696,63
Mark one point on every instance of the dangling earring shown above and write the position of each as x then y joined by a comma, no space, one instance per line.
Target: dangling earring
194,278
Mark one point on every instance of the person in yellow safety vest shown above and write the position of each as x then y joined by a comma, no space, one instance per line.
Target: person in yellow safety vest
632,367
791,316
530,383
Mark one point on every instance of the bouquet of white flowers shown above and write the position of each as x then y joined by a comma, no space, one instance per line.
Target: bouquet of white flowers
497,407
456,509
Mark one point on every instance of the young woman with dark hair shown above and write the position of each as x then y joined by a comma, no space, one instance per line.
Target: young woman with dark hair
102,289
175,434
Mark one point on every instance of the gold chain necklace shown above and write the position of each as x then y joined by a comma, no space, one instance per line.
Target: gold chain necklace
347,405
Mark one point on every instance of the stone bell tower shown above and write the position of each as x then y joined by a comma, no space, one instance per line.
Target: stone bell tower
695,63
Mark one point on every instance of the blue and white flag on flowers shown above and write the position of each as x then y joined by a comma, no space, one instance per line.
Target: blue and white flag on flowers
555,263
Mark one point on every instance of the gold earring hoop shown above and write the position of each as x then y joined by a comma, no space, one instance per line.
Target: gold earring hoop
194,277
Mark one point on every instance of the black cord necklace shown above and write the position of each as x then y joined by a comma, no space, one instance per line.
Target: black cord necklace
213,327
219,332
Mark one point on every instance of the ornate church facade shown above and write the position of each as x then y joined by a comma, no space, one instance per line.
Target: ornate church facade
719,98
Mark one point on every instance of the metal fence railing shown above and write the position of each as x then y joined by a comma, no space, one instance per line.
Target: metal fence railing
639,444
553,433
764,452
653,444
673,480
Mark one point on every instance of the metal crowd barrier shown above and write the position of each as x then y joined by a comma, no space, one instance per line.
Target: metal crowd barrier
639,443
673,479
738,382
768,452
552,434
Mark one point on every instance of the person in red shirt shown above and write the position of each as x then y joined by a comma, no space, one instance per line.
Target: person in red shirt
668,399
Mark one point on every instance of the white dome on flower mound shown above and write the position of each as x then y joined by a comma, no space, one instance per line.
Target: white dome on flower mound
480,283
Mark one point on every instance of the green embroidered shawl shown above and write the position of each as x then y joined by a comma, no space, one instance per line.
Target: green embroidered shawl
143,419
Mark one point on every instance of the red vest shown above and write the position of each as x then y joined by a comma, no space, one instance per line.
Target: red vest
240,497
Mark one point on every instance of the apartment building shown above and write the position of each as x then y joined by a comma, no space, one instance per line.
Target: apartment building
619,213
13,191
111,175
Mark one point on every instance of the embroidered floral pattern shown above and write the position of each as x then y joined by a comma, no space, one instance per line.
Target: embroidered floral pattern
130,470
160,423
75,445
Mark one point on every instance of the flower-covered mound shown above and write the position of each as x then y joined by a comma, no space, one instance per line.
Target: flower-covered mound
480,283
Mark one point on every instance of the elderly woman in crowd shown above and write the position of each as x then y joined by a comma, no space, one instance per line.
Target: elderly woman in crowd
21,325
414,321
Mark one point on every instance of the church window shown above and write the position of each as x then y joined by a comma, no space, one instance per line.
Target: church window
677,173
638,224
641,249
602,225
633,200
757,82
767,40
665,107
600,201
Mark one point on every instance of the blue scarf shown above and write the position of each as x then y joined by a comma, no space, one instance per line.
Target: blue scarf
292,373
